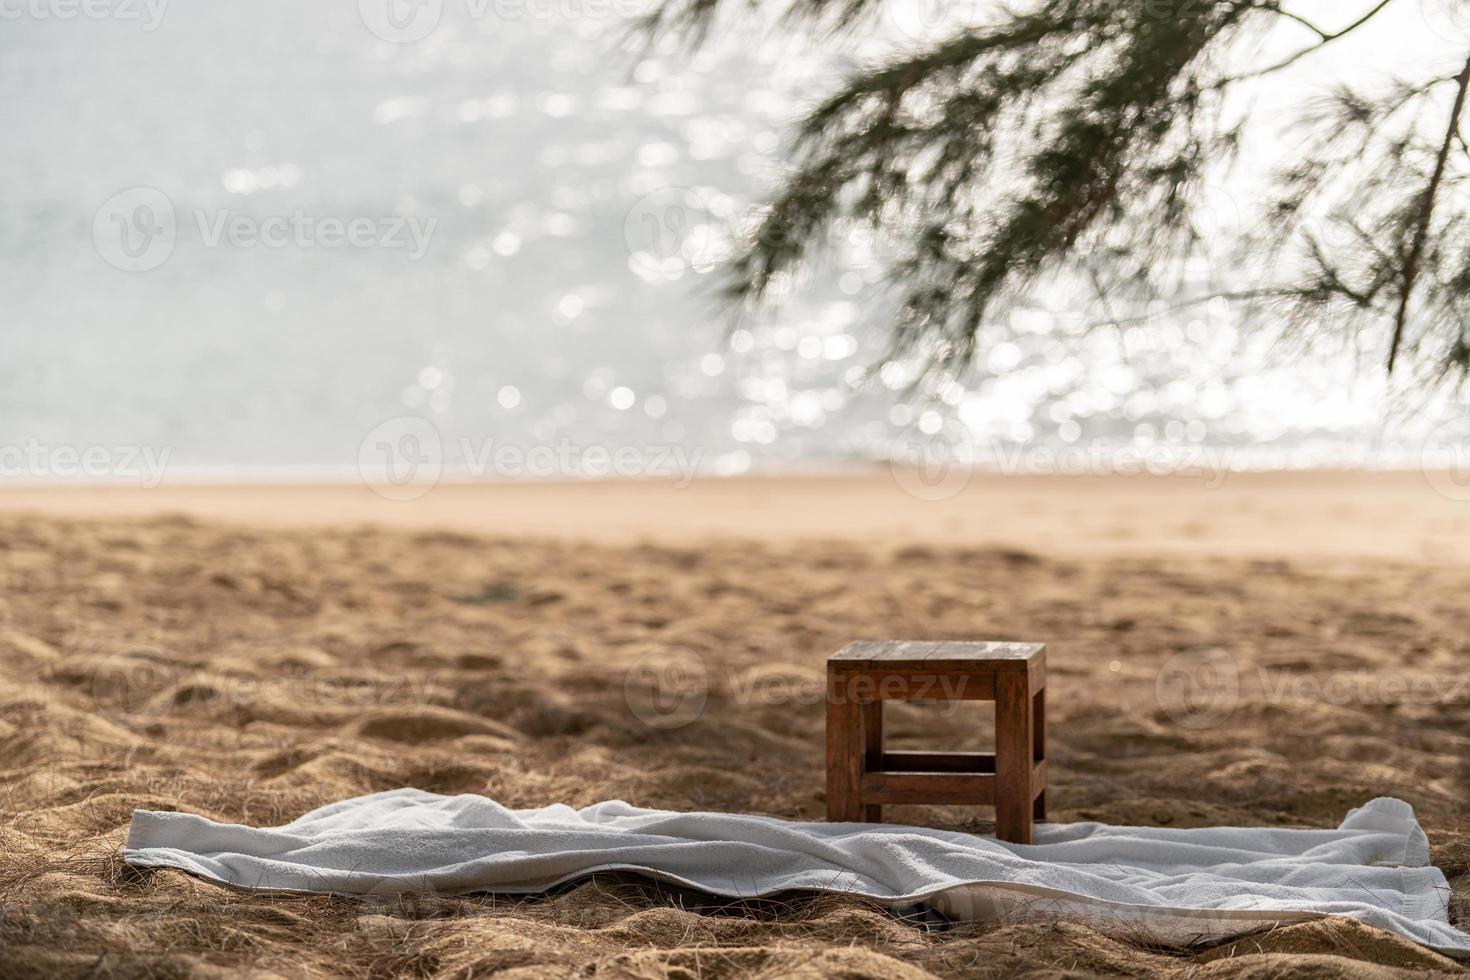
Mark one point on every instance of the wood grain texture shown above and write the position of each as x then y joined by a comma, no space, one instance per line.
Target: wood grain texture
945,788
906,761
886,683
1038,753
944,655
1013,758
862,776
844,755
872,722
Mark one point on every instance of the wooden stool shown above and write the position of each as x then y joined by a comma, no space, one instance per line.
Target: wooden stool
862,775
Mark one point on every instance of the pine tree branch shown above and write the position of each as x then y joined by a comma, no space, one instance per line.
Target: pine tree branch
1077,137
1321,34
1326,38
1333,35
1229,295
1414,261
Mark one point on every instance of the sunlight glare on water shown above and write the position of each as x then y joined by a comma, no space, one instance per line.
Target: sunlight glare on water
572,205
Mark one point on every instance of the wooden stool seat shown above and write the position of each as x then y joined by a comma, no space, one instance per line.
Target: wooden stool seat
862,775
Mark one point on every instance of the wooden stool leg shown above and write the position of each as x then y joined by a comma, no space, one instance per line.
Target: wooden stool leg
1013,750
872,714
1038,745
844,751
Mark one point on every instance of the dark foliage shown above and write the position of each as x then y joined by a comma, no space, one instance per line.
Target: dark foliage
1075,137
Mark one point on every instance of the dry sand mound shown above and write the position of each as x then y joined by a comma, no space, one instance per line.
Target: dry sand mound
249,676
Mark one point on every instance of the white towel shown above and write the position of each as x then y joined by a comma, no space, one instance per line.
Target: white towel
1171,886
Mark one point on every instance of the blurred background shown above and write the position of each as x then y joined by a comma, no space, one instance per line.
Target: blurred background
535,214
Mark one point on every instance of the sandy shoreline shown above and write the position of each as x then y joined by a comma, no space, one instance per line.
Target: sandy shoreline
582,642
1402,516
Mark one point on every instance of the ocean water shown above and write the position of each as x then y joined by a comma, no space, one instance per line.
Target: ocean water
280,238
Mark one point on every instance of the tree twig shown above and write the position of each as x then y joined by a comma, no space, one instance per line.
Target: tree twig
1229,295
1426,213
1326,38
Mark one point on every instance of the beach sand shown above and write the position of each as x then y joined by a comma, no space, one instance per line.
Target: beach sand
251,652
